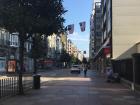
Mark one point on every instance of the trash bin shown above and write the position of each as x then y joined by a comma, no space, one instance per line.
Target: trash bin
36,81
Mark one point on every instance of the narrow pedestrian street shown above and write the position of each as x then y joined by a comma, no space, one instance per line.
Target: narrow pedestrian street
69,52
60,87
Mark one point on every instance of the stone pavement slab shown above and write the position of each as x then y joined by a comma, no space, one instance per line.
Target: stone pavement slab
69,89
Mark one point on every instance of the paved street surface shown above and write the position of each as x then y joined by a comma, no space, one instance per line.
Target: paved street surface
60,87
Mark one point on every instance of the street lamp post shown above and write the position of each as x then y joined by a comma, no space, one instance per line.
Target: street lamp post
21,62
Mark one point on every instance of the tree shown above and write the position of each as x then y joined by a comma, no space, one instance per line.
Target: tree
84,61
31,16
65,57
37,50
16,16
75,60
49,18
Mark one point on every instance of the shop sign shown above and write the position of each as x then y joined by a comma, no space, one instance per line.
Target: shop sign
11,66
107,51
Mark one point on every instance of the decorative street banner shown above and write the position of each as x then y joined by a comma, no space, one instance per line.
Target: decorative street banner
82,26
84,52
71,28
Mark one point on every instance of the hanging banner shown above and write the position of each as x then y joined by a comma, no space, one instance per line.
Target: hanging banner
84,52
82,26
70,28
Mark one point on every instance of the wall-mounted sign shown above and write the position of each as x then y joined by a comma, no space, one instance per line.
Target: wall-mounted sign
107,51
11,66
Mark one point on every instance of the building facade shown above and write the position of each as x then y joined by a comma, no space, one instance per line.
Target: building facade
120,31
97,25
91,44
125,27
95,33
4,49
9,51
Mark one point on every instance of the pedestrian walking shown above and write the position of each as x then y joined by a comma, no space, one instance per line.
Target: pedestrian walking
85,70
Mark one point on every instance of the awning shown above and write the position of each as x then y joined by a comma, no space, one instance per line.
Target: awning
105,49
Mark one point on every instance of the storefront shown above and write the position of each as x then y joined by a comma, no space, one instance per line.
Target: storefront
103,57
11,66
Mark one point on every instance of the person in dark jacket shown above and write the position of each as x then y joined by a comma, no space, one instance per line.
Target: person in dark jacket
85,70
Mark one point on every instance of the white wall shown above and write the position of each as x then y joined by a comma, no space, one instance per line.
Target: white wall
125,26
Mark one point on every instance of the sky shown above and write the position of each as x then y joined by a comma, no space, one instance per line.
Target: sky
78,11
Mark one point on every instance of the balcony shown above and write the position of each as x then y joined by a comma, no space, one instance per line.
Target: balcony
14,44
